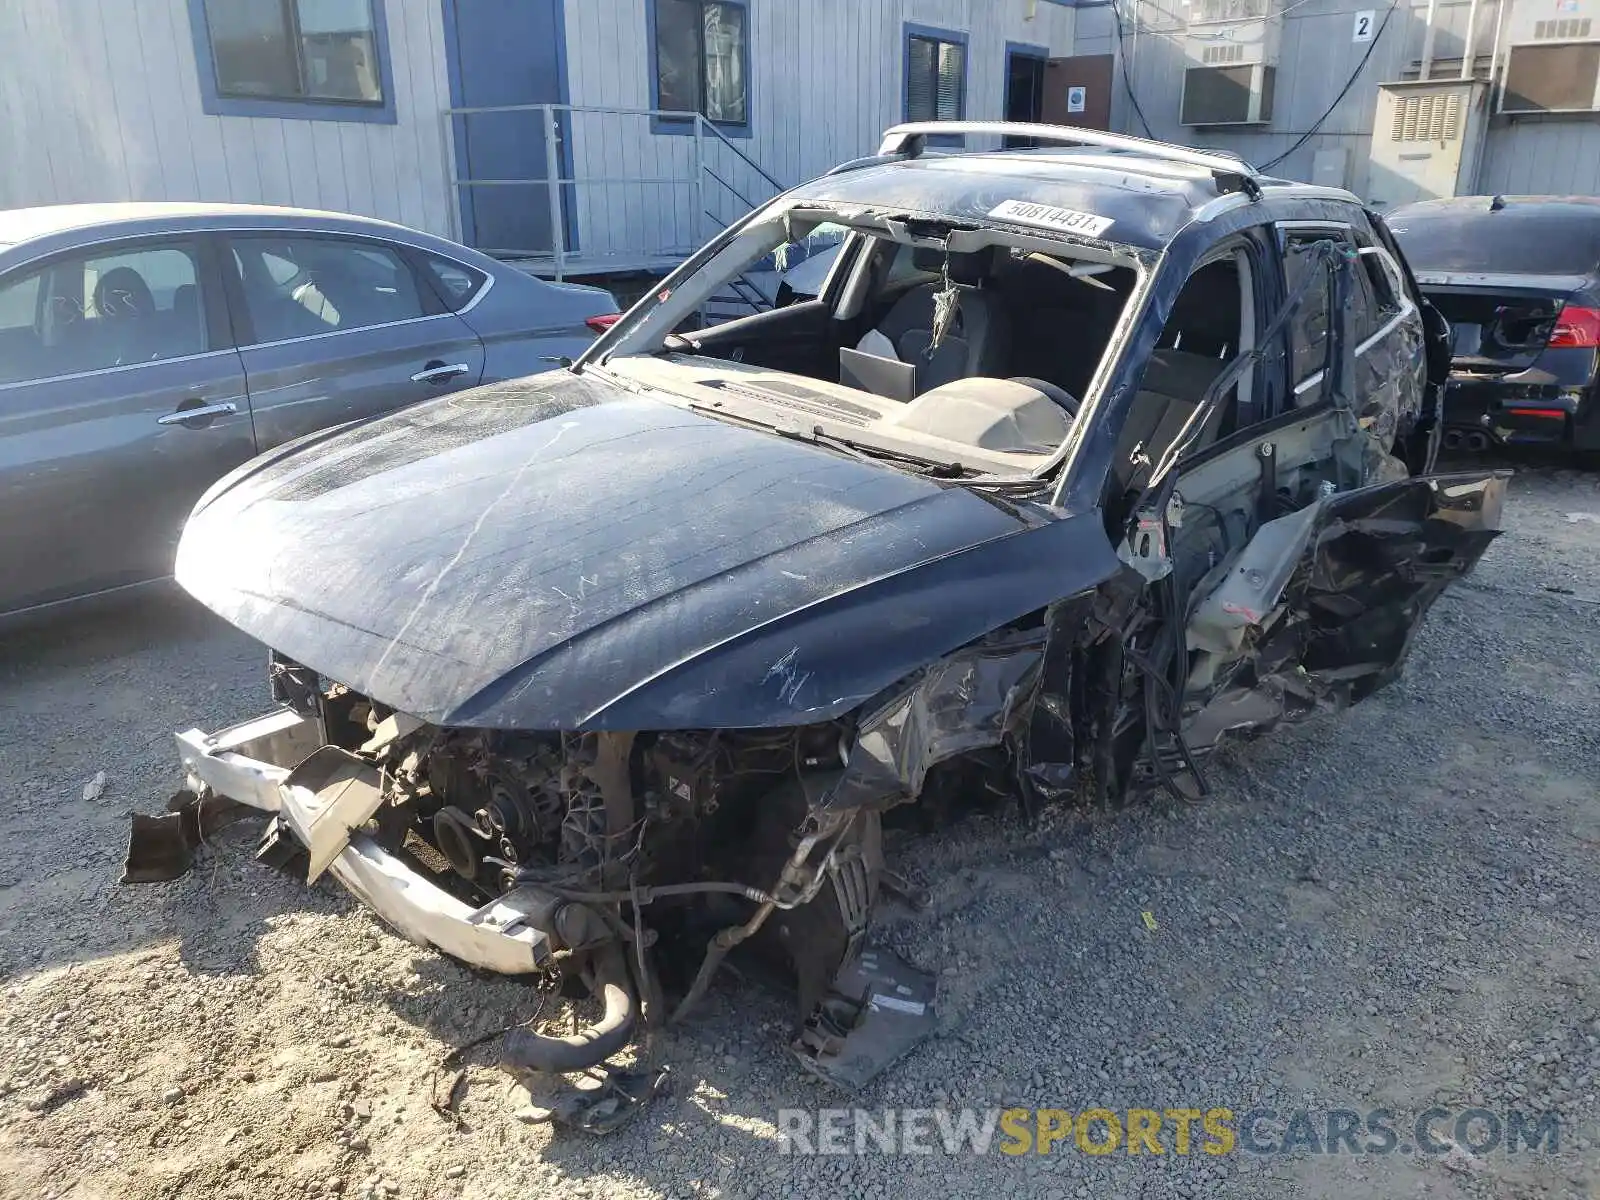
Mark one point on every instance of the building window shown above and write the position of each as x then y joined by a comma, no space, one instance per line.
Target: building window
293,58
936,75
701,59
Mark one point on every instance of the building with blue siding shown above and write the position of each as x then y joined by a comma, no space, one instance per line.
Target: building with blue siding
592,136
619,133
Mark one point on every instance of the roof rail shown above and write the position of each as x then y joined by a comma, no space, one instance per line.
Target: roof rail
1231,172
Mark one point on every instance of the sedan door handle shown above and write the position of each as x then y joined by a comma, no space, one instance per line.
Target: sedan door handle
226,409
440,372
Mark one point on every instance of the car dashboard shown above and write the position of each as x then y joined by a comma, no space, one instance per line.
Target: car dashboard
990,426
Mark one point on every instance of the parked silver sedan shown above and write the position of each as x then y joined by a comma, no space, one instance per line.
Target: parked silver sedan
147,349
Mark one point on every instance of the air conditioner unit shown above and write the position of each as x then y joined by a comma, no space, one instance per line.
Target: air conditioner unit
1425,138
1532,21
1552,57
1231,47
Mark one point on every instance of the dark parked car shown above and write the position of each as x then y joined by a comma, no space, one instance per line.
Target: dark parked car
1518,278
148,349
1078,462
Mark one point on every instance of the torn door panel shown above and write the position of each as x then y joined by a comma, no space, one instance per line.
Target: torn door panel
1322,605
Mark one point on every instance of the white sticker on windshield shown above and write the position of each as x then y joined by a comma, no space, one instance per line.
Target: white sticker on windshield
1065,219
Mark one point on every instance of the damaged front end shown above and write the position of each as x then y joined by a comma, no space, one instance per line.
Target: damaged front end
638,861
635,862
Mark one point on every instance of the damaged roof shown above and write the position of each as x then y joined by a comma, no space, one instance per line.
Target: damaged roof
1148,199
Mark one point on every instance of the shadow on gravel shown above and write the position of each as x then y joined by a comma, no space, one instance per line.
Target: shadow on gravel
111,626
1523,458
217,913
89,695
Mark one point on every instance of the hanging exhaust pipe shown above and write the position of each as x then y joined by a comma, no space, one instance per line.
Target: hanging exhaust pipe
589,1047
1477,441
1452,439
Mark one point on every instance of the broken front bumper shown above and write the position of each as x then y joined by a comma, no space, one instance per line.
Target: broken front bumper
877,1009
254,763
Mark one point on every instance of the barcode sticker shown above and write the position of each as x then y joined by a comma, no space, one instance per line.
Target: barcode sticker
1067,220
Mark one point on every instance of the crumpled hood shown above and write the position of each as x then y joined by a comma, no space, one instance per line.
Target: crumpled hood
557,553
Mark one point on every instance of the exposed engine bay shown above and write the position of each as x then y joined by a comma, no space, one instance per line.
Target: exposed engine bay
628,866
632,840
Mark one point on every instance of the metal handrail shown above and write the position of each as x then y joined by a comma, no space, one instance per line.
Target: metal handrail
597,109
750,162
540,181
737,194
900,138
554,119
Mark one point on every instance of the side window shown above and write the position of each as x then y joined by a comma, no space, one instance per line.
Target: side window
1378,304
96,310
906,269
1310,323
457,282
1373,303
702,49
303,286
19,303
19,327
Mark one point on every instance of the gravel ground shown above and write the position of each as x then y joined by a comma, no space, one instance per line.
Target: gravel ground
1394,907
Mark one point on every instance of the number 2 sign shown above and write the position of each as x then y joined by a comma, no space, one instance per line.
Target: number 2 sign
1366,24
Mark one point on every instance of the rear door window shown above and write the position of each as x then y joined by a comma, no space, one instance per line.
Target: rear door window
19,304
96,310
1374,300
19,327
457,282
1310,323
1373,303
304,286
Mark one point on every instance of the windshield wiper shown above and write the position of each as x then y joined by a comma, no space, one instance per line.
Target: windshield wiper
931,467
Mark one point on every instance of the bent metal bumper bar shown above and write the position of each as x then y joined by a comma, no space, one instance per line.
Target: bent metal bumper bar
252,763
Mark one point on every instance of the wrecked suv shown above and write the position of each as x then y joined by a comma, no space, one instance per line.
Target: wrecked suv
1081,460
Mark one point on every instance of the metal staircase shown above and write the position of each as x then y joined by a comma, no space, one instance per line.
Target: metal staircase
605,218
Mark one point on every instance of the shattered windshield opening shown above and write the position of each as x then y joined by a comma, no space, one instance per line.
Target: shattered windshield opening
963,348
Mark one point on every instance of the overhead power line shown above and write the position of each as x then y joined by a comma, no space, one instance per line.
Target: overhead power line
1343,92
1127,80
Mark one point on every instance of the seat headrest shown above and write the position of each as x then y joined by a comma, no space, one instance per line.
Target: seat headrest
122,292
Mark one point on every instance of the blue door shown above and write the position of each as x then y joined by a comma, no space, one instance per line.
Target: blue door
505,52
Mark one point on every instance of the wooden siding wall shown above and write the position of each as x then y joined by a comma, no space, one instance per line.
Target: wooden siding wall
1316,57
99,100
826,78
